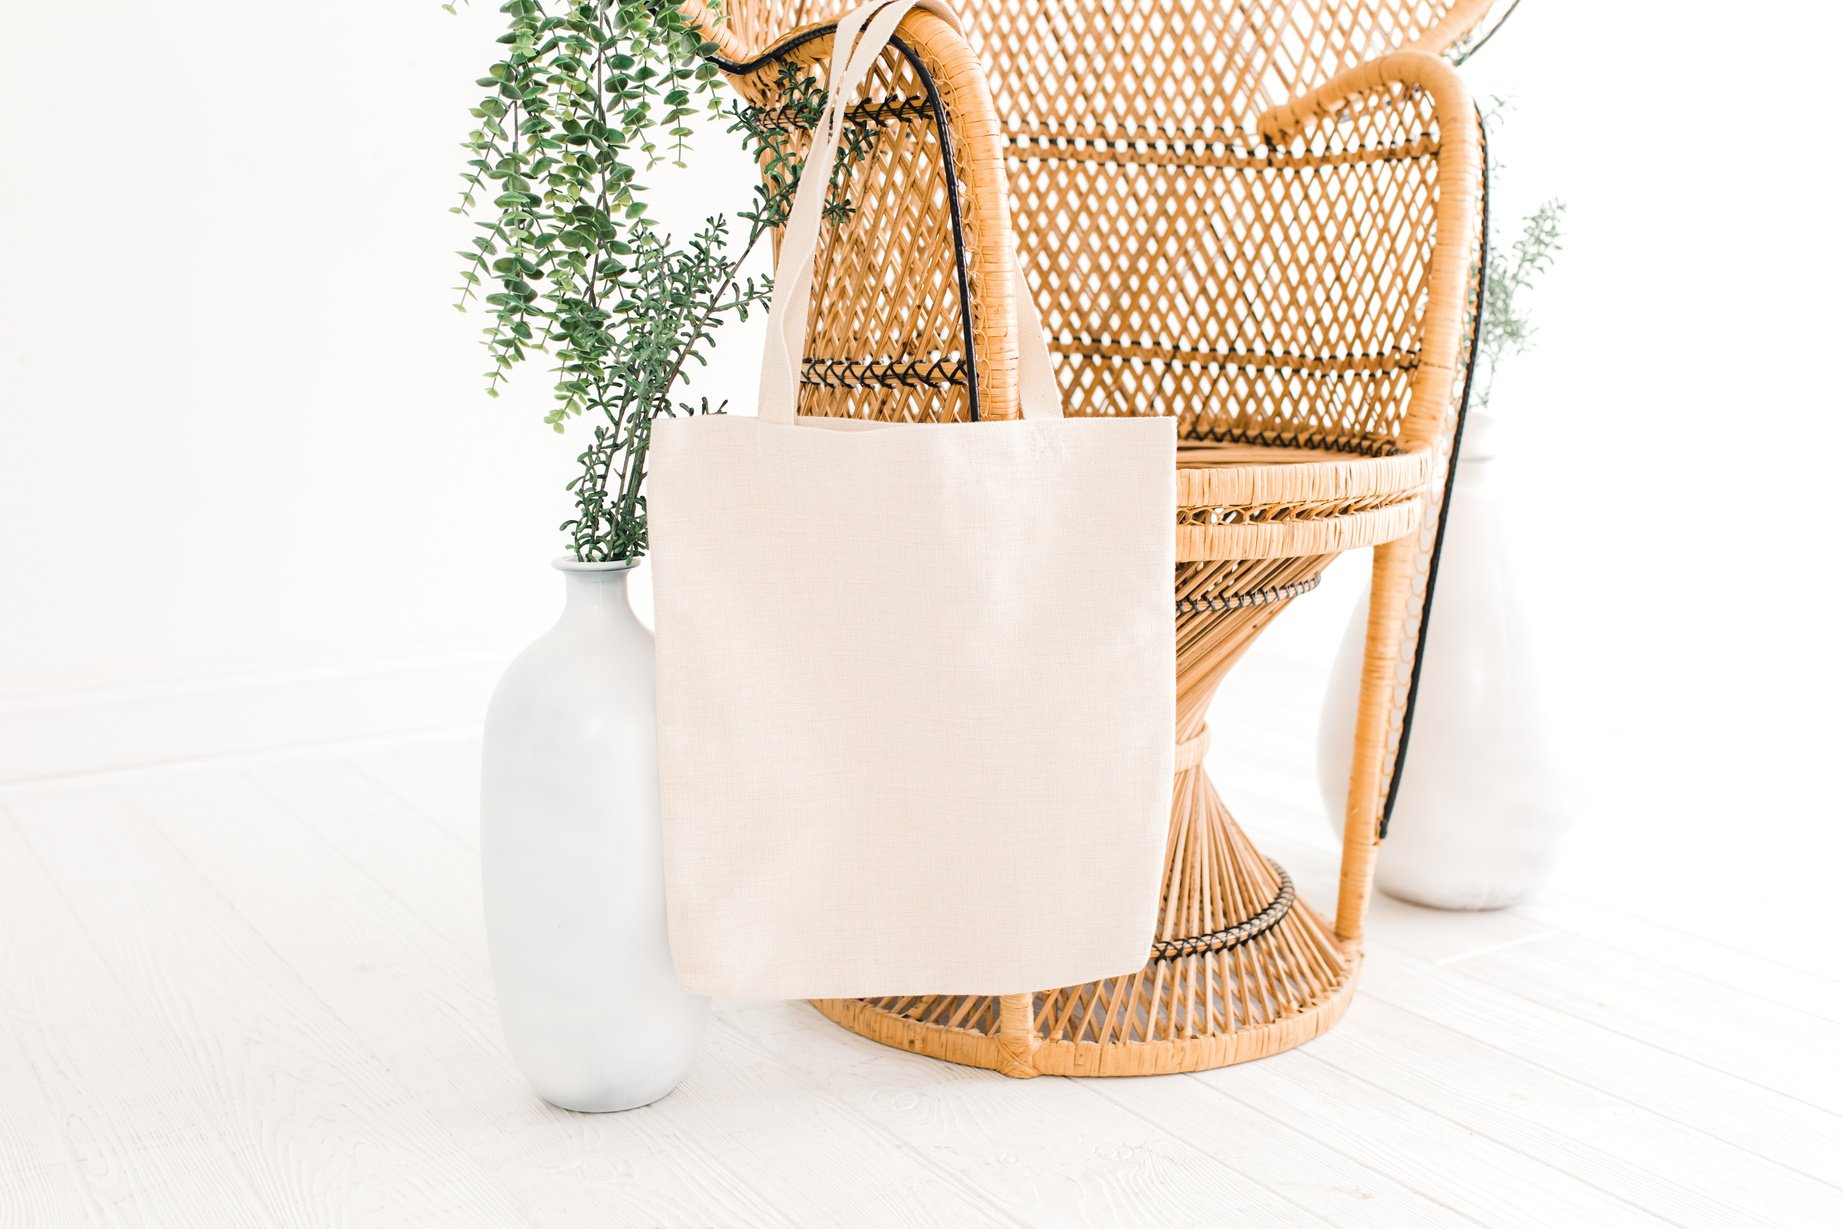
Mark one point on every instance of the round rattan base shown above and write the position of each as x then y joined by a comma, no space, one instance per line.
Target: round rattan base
885,1021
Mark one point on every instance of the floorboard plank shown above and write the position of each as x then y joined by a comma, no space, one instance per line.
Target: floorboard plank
727,1147
1626,1150
813,1156
322,1130
1720,1105
439,778
102,1129
1758,975
1789,1051
1414,1139
1262,1141
410,857
1040,1152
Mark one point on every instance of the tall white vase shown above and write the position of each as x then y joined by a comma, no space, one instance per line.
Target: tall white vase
571,860
1482,807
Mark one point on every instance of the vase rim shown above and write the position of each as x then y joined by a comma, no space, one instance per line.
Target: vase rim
564,563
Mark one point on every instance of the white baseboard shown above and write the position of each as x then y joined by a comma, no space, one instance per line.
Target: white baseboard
80,729
107,727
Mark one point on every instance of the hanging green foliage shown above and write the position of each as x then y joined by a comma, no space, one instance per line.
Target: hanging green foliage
582,100
1506,326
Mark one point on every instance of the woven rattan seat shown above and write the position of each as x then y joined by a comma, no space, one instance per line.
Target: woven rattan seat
1255,501
1265,221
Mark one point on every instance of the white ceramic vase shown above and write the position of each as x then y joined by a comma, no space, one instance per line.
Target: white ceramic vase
571,861
1482,809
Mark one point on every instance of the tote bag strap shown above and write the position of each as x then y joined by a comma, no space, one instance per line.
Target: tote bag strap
859,40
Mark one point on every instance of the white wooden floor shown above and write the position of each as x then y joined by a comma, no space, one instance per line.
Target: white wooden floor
254,992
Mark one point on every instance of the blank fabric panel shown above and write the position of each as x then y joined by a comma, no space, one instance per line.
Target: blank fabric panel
916,681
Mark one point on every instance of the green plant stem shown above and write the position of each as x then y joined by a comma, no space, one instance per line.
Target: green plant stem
578,103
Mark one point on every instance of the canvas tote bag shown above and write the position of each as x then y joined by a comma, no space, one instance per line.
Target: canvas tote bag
916,681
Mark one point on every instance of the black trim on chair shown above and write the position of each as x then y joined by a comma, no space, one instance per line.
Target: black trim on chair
1271,915
939,109
1452,471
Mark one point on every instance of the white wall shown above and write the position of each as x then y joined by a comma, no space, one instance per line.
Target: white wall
243,432
241,424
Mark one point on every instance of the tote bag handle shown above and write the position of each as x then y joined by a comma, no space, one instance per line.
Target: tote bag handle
859,40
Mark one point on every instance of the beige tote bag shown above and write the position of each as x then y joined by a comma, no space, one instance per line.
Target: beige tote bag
916,681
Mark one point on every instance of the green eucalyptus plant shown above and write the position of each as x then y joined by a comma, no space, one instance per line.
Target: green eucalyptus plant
584,98
1505,324
1505,327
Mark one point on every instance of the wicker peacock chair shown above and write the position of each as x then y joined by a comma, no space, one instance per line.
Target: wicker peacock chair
1263,219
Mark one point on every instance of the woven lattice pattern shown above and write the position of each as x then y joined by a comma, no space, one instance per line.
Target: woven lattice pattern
1259,294
1133,68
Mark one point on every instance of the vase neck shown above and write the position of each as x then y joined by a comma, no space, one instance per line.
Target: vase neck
592,594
